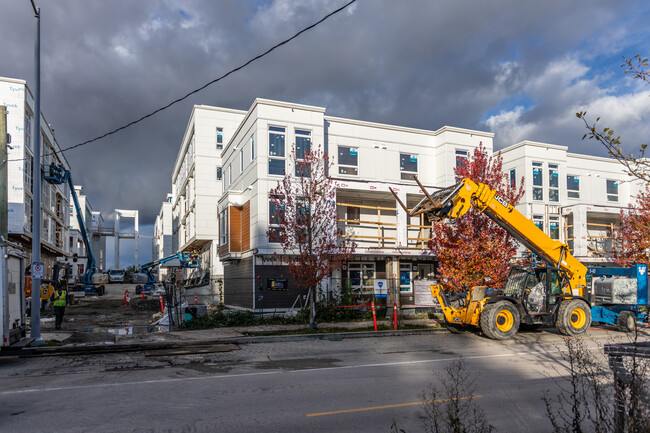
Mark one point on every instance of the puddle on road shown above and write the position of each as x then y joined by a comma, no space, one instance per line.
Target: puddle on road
128,330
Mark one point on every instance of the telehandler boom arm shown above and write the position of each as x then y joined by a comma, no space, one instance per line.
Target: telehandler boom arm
456,201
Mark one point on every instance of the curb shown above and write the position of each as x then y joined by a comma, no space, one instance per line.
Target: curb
94,349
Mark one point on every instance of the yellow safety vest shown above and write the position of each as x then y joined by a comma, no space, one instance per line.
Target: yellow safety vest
60,302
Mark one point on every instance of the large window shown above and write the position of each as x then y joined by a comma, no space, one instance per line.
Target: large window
408,166
362,277
28,167
241,161
219,138
553,183
461,157
405,277
554,227
303,146
612,190
219,173
276,150
223,227
573,186
538,181
348,160
276,216
28,128
513,178
252,148
353,215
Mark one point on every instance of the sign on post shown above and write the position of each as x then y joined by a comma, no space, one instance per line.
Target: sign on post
381,289
37,270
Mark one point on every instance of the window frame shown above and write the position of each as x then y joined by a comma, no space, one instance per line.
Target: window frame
302,134
404,173
343,167
223,227
513,178
280,131
553,190
363,268
275,225
462,155
613,197
219,138
538,189
573,193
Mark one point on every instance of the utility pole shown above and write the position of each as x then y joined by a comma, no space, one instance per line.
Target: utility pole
36,203
4,212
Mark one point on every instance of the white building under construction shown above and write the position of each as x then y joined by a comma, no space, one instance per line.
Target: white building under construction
229,161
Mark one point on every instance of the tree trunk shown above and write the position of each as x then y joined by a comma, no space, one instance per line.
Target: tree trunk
312,309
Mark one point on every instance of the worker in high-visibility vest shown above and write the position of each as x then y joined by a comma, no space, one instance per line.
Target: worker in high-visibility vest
60,301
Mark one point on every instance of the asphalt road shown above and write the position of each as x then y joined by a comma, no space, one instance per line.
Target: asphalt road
351,385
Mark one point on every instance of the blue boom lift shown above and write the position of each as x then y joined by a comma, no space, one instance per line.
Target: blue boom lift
58,175
619,295
185,260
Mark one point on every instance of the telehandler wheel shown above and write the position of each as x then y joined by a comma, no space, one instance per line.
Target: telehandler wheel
573,317
500,321
626,322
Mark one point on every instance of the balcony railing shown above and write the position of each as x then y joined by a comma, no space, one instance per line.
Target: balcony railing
385,227
600,241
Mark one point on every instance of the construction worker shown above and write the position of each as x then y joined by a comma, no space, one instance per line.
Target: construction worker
60,301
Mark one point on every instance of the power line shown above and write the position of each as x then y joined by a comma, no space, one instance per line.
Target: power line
232,71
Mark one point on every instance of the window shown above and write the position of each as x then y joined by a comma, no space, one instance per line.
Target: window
241,161
362,277
461,157
573,186
554,228
513,178
408,166
303,146
538,181
276,218
28,128
218,173
348,160
219,138
353,215
252,148
276,150
538,220
229,174
612,190
553,183
28,167
223,227
405,277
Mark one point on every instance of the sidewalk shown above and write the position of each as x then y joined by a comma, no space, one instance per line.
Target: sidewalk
111,343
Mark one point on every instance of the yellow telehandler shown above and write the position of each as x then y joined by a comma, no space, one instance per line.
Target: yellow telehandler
555,294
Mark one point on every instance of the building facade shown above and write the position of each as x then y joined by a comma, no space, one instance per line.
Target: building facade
368,158
55,199
574,198
163,231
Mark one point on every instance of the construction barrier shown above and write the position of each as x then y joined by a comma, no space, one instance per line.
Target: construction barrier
374,315
162,306
394,316
196,299
127,299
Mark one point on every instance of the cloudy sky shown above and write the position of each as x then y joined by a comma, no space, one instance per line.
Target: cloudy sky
520,69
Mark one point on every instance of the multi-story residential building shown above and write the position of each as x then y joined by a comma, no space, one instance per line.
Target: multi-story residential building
163,231
368,158
196,184
55,199
573,198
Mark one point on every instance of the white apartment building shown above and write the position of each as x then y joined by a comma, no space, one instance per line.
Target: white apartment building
163,231
368,158
574,198
55,199
196,184
98,239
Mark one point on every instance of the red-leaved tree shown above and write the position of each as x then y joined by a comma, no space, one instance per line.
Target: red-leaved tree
473,250
305,223
632,238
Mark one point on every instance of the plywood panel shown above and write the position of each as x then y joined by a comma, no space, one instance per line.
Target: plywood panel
246,226
235,229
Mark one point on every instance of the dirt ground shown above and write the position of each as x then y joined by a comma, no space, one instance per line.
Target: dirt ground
101,318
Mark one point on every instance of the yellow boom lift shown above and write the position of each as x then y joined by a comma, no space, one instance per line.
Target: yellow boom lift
555,294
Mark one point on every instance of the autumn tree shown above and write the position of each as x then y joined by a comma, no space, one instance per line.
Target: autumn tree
305,222
473,250
637,165
632,238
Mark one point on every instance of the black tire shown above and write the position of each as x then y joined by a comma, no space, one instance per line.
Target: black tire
626,322
500,320
573,317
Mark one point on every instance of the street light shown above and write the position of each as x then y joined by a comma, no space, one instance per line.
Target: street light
36,194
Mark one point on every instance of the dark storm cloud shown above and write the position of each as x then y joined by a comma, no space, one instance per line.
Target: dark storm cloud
422,63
